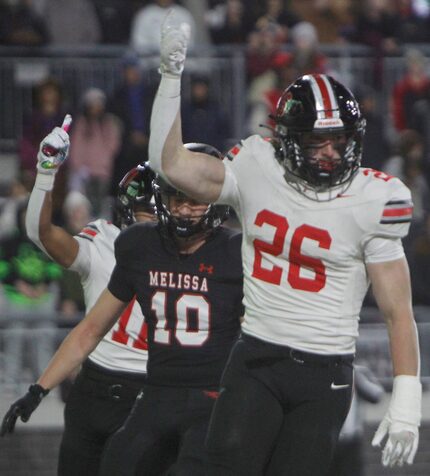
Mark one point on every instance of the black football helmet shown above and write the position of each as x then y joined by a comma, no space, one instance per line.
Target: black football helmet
213,217
135,189
318,105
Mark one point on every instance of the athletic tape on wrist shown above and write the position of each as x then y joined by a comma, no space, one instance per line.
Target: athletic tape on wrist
405,402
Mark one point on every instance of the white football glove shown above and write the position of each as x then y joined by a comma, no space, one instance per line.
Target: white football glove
173,46
401,422
54,148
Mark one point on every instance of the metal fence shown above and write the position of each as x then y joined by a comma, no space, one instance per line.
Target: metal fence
80,68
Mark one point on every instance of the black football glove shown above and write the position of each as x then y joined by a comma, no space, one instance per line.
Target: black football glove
23,408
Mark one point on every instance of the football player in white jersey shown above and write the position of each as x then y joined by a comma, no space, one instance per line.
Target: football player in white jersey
317,229
110,379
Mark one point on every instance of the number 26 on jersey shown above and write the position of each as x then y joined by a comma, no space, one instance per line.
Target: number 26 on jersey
296,259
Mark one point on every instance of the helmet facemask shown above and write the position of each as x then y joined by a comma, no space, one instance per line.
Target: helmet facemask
183,227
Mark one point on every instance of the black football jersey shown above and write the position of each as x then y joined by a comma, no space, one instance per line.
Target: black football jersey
191,303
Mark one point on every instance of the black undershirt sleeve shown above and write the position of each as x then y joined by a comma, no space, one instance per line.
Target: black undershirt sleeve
120,283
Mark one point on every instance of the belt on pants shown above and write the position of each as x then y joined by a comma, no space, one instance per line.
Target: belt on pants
284,352
107,384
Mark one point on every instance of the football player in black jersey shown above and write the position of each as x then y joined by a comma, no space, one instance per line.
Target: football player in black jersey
187,275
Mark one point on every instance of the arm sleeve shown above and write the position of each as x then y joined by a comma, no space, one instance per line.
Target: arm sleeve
164,111
43,184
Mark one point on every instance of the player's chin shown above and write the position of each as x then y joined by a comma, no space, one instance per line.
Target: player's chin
144,216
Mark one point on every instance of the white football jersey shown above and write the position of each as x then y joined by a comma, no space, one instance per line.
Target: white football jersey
123,348
304,260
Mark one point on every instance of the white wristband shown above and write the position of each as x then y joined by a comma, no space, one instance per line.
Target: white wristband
164,111
405,405
44,182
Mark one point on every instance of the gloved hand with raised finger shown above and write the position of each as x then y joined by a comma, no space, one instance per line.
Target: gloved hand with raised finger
23,408
54,148
401,422
173,46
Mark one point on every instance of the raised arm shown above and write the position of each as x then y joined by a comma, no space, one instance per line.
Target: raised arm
53,240
75,348
392,290
199,177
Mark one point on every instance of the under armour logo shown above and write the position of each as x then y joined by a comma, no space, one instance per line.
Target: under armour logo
206,269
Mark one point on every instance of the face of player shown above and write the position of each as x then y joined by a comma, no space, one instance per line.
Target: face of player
325,150
142,216
186,208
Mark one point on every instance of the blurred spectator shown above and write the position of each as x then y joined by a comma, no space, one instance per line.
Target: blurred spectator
21,25
349,459
414,21
16,195
306,55
376,146
277,17
146,24
115,20
95,141
228,22
376,25
411,92
28,300
72,22
131,102
77,213
262,105
281,68
408,166
262,48
332,19
48,111
202,118
419,260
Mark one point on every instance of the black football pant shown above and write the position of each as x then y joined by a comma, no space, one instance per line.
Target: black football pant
167,425
279,412
98,404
